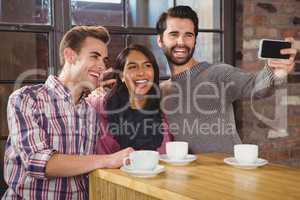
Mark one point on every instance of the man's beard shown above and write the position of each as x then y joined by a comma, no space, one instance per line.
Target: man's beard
173,59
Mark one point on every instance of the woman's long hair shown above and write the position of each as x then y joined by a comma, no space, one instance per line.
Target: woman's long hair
117,99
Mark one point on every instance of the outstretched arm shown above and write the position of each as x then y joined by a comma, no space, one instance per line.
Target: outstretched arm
240,84
61,165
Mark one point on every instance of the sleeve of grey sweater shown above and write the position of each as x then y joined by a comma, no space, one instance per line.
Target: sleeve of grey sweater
238,84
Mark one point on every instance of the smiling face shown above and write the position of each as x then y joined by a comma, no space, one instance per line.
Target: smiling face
178,40
138,73
90,63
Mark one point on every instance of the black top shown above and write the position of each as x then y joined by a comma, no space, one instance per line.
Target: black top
136,129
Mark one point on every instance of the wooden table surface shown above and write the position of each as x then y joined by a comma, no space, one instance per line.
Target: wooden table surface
207,178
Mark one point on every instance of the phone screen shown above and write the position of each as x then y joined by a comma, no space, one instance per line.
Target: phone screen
271,49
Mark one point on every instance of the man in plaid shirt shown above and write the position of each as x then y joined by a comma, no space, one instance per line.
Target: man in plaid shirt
53,130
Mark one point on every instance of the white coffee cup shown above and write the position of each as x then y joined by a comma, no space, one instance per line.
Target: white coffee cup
142,160
177,150
246,153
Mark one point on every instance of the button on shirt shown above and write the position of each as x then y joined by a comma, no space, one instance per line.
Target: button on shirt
43,120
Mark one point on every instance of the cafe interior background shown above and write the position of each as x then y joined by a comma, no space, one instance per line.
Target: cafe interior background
229,31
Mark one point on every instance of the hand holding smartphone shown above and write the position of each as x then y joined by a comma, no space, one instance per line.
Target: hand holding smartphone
280,64
270,49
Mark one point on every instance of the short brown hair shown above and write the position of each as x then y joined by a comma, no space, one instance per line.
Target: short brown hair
183,12
75,37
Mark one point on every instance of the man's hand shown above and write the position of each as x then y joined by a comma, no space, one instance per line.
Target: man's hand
62,165
282,67
115,160
105,81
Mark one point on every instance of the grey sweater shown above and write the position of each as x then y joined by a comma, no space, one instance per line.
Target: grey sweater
198,104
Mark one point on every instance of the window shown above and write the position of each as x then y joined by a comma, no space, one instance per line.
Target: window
134,21
209,40
209,12
25,12
23,51
209,47
97,12
145,13
27,35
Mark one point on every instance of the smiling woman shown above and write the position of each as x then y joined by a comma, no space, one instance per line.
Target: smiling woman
138,75
130,112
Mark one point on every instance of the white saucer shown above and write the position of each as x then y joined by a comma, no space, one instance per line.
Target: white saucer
143,173
232,161
189,158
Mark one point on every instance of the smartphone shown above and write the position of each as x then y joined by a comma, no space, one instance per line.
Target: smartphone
271,49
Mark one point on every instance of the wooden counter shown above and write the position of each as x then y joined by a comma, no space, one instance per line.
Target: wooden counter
207,178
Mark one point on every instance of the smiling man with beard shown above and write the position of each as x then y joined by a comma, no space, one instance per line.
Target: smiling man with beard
205,92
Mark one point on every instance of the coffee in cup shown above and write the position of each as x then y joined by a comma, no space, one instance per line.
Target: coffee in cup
142,160
246,153
177,150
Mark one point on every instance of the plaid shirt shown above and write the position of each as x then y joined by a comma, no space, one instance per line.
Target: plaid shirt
43,120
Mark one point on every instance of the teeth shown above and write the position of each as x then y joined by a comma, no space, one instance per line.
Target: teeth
180,52
141,81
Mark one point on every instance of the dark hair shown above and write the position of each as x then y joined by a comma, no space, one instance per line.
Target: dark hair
75,37
184,12
118,97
